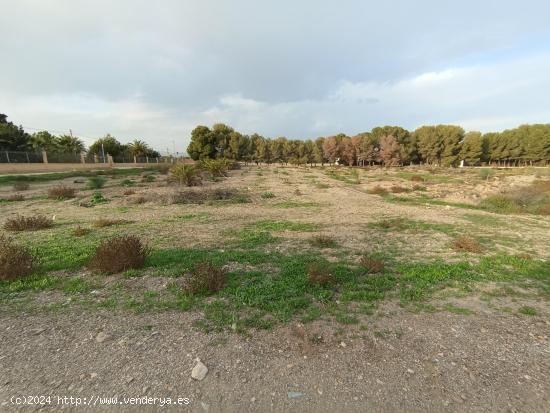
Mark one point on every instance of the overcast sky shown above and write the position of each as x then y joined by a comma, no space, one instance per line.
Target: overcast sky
155,69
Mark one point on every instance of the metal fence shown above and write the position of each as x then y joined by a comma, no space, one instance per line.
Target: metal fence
20,157
54,157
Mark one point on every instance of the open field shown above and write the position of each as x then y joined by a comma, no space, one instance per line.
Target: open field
347,288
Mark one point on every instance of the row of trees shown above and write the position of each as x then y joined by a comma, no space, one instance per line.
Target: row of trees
14,138
445,145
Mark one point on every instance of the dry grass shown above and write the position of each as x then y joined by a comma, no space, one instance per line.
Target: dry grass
80,232
61,192
323,241
205,278
119,254
16,261
318,275
106,222
417,178
373,265
466,244
15,197
417,187
378,190
396,189
22,223
128,192
21,186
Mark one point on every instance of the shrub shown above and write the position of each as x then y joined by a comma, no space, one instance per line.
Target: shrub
318,275
129,192
97,198
127,182
486,173
61,192
96,182
186,174
217,167
323,241
105,222
15,197
163,169
417,178
21,223
467,244
372,264
79,231
205,278
298,192
148,178
499,203
267,195
417,187
21,186
119,254
378,190
396,189
16,261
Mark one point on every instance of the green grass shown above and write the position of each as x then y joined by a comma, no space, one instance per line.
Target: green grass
402,224
457,310
350,175
442,179
267,195
54,176
526,310
285,226
422,200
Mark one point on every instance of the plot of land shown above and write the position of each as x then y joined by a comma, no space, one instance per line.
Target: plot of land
348,289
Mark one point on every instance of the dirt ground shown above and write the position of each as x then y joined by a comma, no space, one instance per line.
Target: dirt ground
485,357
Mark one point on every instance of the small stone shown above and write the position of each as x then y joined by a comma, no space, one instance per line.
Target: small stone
199,371
253,399
93,375
295,394
342,344
410,371
129,380
356,398
101,337
527,377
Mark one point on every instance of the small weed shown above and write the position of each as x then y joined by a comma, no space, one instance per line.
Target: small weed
119,254
97,198
372,264
526,310
466,244
80,232
21,186
457,310
378,190
96,182
127,183
267,195
323,241
318,275
107,222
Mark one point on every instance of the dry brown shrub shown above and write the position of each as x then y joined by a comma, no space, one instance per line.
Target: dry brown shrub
16,261
128,192
107,222
298,192
21,186
119,254
205,278
417,187
396,189
79,231
22,223
467,244
61,192
417,178
15,197
318,275
373,265
378,190
323,241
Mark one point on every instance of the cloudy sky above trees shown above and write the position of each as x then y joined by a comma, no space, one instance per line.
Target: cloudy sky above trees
301,69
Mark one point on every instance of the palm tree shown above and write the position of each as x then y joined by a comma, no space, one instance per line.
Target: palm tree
139,148
70,144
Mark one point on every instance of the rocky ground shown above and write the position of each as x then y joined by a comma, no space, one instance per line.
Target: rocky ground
405,362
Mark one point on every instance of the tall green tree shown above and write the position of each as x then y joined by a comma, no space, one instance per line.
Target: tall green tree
12,137
472,148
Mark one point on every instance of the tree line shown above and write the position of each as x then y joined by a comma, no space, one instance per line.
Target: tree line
444,145
14,138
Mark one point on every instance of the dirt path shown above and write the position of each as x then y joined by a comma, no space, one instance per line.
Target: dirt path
406,362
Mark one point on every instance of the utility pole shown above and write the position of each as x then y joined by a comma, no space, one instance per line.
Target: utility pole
103,152
174,143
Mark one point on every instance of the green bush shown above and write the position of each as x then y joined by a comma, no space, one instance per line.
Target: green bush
186,174
96,182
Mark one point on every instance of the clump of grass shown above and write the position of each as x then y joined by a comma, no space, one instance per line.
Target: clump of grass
127,182
106,222
372,264
205,278
119,254
96,182
526,310
298,192
499,203
200,196
323,241
534,199
417,187
129,192
16,261
148,178
378,190
21,186
267,195
15,198
417,178
97,198
22,223
61,192
486,173
318,275
396,189
187,175
467,244
79,231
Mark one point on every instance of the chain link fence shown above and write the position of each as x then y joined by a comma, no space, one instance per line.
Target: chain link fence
20,157
54,157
